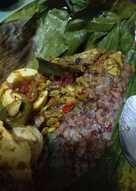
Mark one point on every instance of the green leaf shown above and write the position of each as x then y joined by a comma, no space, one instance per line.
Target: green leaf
25,10
111,41
124,8
126,38
131,56
131,90
103,23
76,24
49,39
74,40
77,5
33,62
93,40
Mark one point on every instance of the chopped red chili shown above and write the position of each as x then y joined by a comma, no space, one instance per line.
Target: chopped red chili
68,106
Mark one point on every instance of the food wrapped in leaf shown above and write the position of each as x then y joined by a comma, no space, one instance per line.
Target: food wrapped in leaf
80,113
76,111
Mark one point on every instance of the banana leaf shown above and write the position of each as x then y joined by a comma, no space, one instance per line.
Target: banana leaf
126,39
53,37
103,23
131,56
93,39
49,39
74,40
77,5
24,10
87,5
113,32
16,45
119,38
17,33
124,8
76,24
111,41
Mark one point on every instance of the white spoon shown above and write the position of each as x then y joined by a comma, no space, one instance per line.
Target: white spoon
127,129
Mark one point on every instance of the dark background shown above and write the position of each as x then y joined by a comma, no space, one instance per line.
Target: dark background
6,3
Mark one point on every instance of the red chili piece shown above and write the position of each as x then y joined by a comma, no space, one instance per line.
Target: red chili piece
68,107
